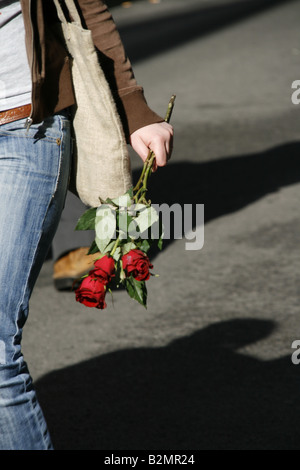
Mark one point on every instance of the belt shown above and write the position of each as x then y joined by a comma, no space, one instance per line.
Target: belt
14,114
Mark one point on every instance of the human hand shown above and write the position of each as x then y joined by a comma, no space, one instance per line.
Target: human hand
157,137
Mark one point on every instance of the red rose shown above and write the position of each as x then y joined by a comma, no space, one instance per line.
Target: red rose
104,269
137,263
91,292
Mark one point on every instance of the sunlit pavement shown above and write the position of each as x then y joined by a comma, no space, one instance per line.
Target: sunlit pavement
208,364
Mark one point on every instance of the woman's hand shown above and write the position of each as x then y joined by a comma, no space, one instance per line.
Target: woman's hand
156,137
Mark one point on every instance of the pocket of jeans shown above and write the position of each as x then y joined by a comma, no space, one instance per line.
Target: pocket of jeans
49,129
16,127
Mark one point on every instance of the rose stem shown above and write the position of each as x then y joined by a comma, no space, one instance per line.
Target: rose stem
150,158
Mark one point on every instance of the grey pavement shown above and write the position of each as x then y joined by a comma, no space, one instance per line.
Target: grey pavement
208,364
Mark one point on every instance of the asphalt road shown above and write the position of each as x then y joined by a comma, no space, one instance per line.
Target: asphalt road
209,364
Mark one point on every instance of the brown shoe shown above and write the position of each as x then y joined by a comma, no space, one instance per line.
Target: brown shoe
68,269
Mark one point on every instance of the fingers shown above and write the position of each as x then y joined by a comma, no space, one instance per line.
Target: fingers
161,147
139,146
156,137
161,143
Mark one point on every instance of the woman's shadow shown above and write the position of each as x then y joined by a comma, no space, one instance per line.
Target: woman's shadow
199,392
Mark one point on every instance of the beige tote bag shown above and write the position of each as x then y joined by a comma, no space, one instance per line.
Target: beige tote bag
101,166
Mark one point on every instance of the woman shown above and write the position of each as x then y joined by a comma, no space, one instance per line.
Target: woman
35,94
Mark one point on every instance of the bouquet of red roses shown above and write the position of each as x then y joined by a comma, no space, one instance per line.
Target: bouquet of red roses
125,229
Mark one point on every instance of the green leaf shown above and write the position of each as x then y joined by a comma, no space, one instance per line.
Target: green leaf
160,243
145,246
119,273
161,235
110,201
127,247
87,220
139,207
123,201
123,222
146,218
137,290
93,248
102,243
109,247
130,192
117,254
105,226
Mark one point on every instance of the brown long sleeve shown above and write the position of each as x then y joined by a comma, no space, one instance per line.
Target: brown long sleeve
129,95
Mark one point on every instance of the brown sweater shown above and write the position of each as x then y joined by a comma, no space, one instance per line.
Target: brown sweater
50,66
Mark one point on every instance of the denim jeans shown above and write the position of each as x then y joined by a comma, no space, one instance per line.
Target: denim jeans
34,172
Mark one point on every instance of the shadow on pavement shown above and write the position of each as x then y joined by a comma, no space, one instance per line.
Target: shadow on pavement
156,35
228,184
198,392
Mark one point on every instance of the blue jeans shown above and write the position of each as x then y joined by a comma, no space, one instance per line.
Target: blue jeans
34,172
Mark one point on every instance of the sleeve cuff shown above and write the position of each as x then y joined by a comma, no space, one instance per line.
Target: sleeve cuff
135,112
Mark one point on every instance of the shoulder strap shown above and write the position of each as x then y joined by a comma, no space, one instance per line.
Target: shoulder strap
72,11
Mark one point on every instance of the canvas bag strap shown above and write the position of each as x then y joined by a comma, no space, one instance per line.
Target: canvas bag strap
72,11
